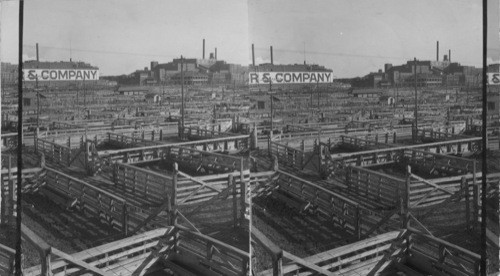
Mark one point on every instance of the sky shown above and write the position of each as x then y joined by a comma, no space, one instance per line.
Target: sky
493,38
352,38
121,36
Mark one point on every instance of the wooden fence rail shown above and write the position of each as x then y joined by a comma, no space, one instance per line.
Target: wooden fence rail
288,156
122,140
438,154
201,250
398,249
121,257
383,188
436,256
89,198
99,160
145,184
60,154
198,133
356,220
7,255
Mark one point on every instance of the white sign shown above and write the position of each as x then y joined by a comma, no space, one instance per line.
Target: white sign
290,77
60,74
493,79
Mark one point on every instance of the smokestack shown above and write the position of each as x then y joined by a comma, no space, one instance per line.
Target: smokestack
272,55
449,55
37,57
203,48
215,53
253,57
437,51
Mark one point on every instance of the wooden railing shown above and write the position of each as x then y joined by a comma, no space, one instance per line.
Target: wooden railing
438,163
193,190
437,256
89,198
380,187
60,154
122,140
397,249
288,156
365,257
7,255
334,164
355,219
9,140
201,161
32,180
122,257
433,135
98,160
220,258
370,141
145,184
198,133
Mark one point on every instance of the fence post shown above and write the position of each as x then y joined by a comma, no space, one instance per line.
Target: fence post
278,264
475,202
173,202
465,188
357,223
125,219
407,199
243,192
230,182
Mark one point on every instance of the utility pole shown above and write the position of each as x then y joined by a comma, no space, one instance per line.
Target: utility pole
271,93
317,88
416,111
182,92
37,93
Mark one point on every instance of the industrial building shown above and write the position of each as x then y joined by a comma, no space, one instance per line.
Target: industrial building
428,73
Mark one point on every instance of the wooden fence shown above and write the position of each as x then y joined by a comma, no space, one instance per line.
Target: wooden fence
7,255
198,133
398,250
145,184
126,141
365,257
423,154
383,188
201,161
356,220
32,180
60,154
98,160
207,254
131,255
437,257
288,156
86,197
9,140
175,247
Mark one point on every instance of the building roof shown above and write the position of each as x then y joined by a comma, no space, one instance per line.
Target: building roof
32,64
190,74
494,68
133,88
151,95
367,91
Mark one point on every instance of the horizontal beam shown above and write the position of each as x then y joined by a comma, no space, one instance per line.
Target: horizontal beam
475,139
198,142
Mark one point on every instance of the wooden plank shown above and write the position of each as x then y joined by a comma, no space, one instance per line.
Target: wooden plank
308,264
